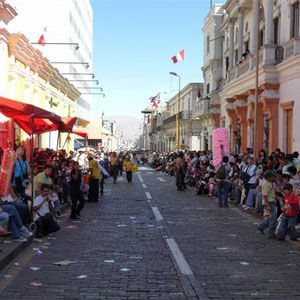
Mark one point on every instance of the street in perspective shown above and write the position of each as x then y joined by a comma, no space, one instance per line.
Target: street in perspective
149,149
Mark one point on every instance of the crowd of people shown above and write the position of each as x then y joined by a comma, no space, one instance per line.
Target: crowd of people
266,185
38,191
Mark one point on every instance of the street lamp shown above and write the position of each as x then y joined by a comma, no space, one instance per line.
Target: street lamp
178,110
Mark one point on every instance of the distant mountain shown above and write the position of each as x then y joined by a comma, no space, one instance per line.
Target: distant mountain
130,127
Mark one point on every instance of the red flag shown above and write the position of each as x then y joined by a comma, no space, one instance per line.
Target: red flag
199,95
42,40
155,105
178,57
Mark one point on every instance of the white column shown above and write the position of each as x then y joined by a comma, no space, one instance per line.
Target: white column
231,43
255,20
269,30
241,31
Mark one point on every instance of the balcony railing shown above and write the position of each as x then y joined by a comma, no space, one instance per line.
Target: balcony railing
202,108
183,115
291,48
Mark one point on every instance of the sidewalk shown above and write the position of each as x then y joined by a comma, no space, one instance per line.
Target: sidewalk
10,249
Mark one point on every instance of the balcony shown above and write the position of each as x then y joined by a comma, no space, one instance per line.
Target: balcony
183,115
291,48
202,108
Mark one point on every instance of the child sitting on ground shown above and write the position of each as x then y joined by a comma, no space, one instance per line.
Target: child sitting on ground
289,214
211,185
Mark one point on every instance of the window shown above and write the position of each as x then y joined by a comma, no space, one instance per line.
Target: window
295,20
227,62
246,46
207,44
261,38
207,89
236,55
276,31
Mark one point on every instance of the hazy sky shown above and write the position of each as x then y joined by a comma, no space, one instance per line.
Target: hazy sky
134,41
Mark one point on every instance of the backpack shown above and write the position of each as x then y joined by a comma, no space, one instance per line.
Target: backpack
222,172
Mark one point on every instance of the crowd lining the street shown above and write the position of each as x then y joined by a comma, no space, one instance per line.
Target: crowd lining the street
58,178
267,185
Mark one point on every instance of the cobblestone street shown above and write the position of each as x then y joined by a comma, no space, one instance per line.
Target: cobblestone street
145,240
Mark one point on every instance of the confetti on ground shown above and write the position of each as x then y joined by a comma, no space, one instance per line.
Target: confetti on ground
244,263
34,268
150,225
47,244
81,276
71,227
6,276
16,264
224,248
135,257
131,217
7,242
233,235
122,225
35,283
64,263
37,240
51,238
109,261
124,270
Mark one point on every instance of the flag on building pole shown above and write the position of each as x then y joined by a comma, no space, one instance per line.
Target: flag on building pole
198,95
179,56
155,100
42,39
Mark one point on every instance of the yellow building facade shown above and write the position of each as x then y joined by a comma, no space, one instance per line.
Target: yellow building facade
27,76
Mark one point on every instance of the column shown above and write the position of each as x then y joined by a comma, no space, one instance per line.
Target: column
231,43
254,31
241,31
241,112
269,30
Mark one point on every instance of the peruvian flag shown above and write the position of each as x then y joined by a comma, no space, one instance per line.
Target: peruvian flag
42,40
178,57
155,105
155,98
198,95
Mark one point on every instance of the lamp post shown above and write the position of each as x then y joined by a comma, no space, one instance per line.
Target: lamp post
255,136
178,111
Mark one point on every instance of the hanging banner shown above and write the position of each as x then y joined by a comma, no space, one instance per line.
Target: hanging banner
7,167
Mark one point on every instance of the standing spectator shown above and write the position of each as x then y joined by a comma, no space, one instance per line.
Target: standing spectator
76,193
20,173
180,171
289,214
114,165
269,201
120,163
94,181
128,164
249,175
223,184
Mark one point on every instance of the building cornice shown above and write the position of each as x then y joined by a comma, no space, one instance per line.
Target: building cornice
7,12
20,47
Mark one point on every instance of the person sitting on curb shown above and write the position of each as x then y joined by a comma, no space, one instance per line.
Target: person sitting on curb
15,223
42,205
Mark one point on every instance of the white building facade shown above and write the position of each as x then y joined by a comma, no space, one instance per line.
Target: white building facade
271,29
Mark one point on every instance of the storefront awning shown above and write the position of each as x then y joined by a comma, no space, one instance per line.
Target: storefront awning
80,133
34,120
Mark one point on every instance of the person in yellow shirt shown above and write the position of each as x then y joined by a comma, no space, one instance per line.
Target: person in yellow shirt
94,181
128,164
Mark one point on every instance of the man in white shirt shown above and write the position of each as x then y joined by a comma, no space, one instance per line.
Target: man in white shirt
42,205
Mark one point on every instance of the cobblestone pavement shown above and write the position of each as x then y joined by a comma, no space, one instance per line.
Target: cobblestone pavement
145,240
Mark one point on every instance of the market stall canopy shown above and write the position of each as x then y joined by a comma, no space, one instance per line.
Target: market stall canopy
32,119
80,133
